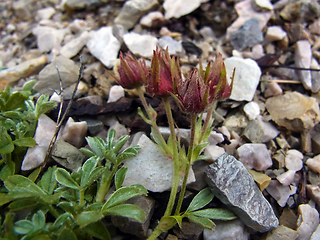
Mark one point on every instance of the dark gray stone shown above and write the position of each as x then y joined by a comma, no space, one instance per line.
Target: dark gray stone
248,35
230,181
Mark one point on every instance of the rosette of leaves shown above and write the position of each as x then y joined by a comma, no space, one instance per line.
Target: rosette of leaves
64,205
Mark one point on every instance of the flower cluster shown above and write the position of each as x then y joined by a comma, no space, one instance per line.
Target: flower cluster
164,78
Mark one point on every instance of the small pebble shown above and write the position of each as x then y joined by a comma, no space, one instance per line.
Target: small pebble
293,160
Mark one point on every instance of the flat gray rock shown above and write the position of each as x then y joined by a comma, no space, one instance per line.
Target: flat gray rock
230,181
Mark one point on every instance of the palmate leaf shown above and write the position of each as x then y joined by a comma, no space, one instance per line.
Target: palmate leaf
126,210
200,200
44,105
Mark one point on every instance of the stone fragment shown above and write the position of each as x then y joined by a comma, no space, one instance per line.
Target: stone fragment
45,13
215,138
294,111
44,133
300,10
174,46
302,58
308,221
314,163
188,230
261,179
116,92
255,155
314,178
278,158
132,226
248,35
314,193
73,47
246,80
74,132
67,155
214,151
263,4
259,131
316,143
183,133
275,33
315,75
49,79
152,19
23,9
22,70
236,122
272,89
315,27
80,4
280,192
293,160
142,45
178,8
132,11
151,168
94,125
282,233
286,178
199,168
252,110
288,218
316,234
234,186
104,45
48,38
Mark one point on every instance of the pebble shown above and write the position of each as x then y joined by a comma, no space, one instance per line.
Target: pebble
132,11
230,181
316,234
272,89
261,179
179,8
293,160
24,69
255,155
282,233
294,111
286,178
246,80
315,27
300,11
142,45
302,59
183,133
116,92
73,47
275,33
214,151
152,19
104,46
74,132
151,168
314,193
174,46
248,35
80,4
308,221
230,230
314,163
35,156
215,138
188,230
252,110
45,13
263,4
280,192
315,75
48,38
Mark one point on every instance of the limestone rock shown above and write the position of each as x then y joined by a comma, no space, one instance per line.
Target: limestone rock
188,230
80,4
116,92
263,4
282,233
300,10
246,80
142,45
255,155
214,151
275,33
178,8
151,168
252,110
302,58
293,160
234,186
104,45
272,89
294,111
280,192
307,222
48,38
286,178
73,47
314,163
74,132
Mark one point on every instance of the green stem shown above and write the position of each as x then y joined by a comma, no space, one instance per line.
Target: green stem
206,122
53,211
189,163
81,197
105,183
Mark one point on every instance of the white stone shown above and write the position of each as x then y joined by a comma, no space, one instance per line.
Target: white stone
286,178
316,234
44,133
116,92
104,46
120,129
255,155
246,80
48,38
45,13
280,192
252,110
151,168
147,21
178,8
307,222
314,163
73,47
142,45
266,4
275,33
293,160
272,89
302,58
74,132
214,151
215,138
174,46
182,133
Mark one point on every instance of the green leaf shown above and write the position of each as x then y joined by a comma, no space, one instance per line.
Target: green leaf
128,153
98,230
4,198
65,219
88,217
198,149
44,105
25,142
24,203
16,100
35,174
178,219
87,152
7,170
120,143
203,222
110,139
67,206
87,168
126,210
21,183
215,213
23,227
48,181
200,200
97,145
6,145
28,86
123,194
65,179
119,177
39,219
67,234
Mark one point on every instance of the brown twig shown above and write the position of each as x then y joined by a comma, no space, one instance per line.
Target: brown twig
282,81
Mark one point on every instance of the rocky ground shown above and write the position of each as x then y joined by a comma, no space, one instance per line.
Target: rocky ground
270,122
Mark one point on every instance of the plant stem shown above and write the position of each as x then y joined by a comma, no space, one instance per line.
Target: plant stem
105,183
189,163
81,197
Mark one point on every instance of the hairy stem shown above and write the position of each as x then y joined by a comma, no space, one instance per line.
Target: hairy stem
105,183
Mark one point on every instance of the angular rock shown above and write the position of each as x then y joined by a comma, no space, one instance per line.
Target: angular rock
116,92
152,19
272,89
315,76
288,218
314,193
151,168
248,35
236,122
314,163
48,38
300,10
234,186
74,132
174,46
132,11
302,58
280,192
282,233
255,155
261,179
214,151
229,230
316,234
199,173
178,8
73,47
293,160
275,33
188,230
104,45
142,45
252,110
263,4
129,225
286,178
308,221
67,155
45,13
294,111
81,4
246,80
